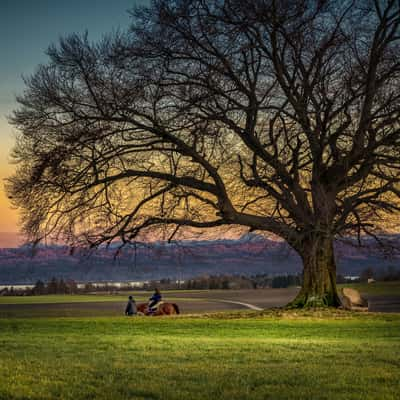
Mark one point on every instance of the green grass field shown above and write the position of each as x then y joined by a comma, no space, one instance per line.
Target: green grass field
247,355
60,298
76,298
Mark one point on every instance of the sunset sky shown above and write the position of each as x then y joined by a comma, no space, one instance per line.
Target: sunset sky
27,28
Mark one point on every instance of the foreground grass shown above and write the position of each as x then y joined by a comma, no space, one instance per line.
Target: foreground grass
274,355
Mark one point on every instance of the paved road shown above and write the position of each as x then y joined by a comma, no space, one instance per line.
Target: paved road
269,298
384,303
262,298
98,309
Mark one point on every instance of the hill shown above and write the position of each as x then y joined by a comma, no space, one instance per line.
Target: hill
248,255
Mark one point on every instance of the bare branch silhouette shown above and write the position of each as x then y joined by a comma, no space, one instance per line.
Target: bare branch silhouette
277,116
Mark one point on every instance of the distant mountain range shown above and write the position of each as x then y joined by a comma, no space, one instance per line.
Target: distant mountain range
250,254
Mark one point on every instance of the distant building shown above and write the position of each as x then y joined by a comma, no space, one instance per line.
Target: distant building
17,287
117,285
352,277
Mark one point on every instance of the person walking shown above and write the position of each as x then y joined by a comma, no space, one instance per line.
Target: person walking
131,307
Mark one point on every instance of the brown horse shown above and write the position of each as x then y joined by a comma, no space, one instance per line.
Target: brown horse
162,309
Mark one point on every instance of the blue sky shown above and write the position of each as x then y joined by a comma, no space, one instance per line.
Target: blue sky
27,28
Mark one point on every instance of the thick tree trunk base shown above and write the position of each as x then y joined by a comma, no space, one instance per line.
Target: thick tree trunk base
319,275
307,300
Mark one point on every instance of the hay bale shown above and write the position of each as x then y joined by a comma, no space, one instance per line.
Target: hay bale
352,299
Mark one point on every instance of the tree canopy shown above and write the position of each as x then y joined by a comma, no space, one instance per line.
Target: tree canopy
280,116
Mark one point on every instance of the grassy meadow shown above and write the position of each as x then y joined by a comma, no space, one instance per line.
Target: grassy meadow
275,354
240,355
77,298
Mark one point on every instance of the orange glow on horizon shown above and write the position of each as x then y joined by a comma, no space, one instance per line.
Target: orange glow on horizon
8,215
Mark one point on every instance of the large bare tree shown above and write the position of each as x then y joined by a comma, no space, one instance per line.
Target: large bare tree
279,116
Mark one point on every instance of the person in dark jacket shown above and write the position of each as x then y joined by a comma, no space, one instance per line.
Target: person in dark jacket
154,300
131,307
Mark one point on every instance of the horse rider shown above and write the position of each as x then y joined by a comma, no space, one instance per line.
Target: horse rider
154,301
131,307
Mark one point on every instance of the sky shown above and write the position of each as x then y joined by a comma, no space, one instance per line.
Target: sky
27,28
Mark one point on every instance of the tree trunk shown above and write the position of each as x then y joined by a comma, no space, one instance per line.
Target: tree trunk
319,275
